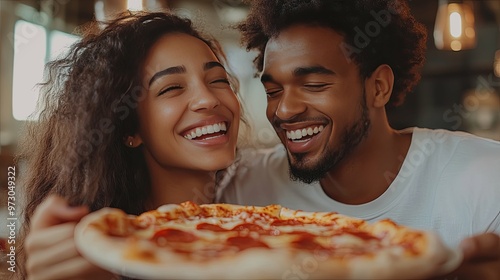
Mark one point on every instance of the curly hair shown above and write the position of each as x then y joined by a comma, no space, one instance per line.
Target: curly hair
76,147
399,40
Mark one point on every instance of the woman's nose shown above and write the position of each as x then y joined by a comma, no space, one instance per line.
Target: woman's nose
204,99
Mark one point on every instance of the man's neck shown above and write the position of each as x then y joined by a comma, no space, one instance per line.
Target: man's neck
367,173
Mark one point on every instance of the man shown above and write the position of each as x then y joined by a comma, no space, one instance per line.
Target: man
329,69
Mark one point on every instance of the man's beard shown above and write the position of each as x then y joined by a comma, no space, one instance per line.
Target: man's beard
350,139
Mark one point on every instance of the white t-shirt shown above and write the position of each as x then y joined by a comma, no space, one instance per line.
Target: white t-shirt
449,183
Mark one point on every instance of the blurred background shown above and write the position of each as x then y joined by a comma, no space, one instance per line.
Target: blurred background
459,90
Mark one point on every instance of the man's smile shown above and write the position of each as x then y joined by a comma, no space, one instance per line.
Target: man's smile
304,132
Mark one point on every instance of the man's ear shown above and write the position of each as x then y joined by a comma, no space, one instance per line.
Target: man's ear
379,85
133,141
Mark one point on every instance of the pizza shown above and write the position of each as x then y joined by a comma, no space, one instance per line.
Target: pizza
225,241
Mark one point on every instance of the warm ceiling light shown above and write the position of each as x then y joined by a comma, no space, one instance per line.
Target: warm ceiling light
496,64
454,28
134,5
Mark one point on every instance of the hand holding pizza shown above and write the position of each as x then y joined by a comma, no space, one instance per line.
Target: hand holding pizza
50,246
481,258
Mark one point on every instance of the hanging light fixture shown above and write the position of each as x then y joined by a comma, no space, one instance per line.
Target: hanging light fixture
454,27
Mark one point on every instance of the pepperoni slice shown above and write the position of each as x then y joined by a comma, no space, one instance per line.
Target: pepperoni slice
212,227
245,242
173,235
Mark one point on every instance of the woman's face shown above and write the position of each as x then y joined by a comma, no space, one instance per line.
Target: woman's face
189,115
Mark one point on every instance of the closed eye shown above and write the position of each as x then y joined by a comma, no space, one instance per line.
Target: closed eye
272,93
170,88
225,81
317,87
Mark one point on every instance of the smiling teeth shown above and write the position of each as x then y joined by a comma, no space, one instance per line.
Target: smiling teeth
204,130
299,133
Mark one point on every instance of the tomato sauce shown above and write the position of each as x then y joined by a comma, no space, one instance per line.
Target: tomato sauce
361,234
291,222
306,241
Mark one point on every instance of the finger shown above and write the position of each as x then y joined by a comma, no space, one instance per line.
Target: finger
48,237
484,270
44,259
55,210
481,246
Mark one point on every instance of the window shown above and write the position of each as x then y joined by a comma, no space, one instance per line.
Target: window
33,47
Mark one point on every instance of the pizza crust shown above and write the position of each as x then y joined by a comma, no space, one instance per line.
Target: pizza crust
139,258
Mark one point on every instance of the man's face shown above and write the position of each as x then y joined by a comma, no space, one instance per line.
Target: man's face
316,100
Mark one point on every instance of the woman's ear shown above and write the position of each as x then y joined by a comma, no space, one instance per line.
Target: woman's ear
380,85
133,141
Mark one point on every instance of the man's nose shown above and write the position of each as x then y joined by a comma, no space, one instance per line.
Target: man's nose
289,106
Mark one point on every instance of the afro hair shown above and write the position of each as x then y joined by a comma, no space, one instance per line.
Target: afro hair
375,32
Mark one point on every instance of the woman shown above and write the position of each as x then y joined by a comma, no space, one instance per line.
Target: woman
137,115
